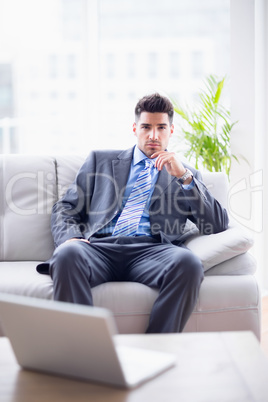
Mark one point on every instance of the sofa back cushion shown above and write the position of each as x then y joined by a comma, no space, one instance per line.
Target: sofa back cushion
67,167
30,185
217,183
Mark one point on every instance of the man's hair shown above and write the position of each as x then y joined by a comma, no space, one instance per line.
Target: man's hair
154,103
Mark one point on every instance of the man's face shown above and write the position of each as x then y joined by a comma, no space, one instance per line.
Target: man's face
153,131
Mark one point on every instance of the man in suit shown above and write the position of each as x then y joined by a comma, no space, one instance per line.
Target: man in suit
124,218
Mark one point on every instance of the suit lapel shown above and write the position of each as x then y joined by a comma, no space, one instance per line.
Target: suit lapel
121,167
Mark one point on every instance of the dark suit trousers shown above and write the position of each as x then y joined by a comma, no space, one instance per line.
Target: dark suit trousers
175,271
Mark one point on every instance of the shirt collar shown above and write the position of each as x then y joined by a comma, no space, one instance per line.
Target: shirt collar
138,156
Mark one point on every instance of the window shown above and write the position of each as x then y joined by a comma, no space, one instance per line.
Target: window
152,65
175,44
174,58
53,66
6,91
54,78
71,66
110,66
131,65
197,64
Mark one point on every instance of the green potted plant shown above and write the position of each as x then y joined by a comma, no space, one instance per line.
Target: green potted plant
205,130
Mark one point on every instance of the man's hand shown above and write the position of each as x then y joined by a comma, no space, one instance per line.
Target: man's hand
171,162
75,238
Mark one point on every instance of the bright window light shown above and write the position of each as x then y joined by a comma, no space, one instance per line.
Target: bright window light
71,71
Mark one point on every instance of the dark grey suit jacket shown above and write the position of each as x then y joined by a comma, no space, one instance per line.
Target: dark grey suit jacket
95,198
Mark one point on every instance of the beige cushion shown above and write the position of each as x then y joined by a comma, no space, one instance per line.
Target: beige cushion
29,184
224,303
216,248
33,183
243,264
217,183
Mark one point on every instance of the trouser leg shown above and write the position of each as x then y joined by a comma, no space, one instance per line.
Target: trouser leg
76,267
178,274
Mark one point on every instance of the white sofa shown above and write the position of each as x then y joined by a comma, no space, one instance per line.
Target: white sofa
30,184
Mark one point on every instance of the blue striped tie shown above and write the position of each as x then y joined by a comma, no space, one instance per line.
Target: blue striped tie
128,222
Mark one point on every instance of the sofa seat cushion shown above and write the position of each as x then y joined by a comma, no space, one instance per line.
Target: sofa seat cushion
21,277
130,302
227,303
232,301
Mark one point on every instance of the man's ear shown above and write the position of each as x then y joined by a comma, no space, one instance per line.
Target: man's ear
171,129
134,128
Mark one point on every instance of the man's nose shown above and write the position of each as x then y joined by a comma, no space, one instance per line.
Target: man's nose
153,134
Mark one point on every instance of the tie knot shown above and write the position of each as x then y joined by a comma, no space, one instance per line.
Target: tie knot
148,164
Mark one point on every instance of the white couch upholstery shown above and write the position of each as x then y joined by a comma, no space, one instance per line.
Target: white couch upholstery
229,296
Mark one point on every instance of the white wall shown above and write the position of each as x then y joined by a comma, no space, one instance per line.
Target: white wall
248,198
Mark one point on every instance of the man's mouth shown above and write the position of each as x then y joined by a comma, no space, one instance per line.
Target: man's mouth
153,144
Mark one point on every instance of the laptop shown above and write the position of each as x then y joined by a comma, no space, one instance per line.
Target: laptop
76,341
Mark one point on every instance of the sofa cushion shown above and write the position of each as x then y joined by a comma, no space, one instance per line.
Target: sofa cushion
217,248
67,167
33,183
29,184
243,264
21,278
227,303
226,299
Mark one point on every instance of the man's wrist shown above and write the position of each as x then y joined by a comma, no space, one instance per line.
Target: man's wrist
186,178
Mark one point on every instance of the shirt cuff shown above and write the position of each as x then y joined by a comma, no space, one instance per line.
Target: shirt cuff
188,186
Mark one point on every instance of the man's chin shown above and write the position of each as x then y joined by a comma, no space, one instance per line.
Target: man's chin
151,149
149,152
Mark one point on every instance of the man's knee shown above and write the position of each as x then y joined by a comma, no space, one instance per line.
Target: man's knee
64,257
190,265
66,250
194,269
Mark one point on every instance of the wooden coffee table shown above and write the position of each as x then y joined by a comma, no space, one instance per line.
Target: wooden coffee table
220,366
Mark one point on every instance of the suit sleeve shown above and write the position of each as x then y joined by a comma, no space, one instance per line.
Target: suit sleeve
204,210
68,214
